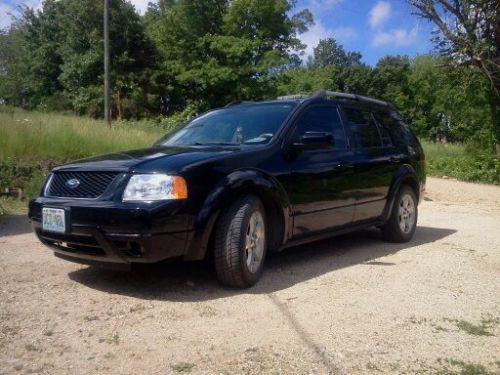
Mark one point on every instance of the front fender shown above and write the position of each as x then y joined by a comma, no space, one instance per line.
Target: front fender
243,181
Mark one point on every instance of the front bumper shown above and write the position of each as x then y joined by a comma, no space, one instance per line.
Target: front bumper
115,234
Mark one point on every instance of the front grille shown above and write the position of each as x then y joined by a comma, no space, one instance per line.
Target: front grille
91,184
72,243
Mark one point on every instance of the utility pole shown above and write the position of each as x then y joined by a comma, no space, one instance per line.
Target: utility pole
107,111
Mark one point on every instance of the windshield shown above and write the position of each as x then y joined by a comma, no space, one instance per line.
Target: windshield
241,124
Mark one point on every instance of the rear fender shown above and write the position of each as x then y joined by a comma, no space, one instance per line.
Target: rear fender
244,181
405,175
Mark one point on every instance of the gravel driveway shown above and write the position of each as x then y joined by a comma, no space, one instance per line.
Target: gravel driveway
349,305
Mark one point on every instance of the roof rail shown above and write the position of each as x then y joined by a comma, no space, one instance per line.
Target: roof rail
372,100
341,95
334,94
292,97
236,102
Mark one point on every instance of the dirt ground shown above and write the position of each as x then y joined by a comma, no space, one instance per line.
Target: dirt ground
349,305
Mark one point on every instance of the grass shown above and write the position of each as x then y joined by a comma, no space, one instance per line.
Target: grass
49,332
115,339
183,367
38,136
463,162
440,329
457,367
474,329
11,206
32,143
481,329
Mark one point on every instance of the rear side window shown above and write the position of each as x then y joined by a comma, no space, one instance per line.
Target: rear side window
363,128
323,119
399,131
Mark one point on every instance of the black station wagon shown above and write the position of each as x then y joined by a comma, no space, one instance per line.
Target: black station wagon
238,182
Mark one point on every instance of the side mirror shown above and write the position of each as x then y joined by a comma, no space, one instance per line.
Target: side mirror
314,141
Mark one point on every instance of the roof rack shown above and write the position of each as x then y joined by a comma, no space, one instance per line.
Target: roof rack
236,102
339,95
293,97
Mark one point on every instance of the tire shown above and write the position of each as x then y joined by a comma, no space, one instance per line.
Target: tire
241,243
403,220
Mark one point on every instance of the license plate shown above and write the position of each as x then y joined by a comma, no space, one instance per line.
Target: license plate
54,220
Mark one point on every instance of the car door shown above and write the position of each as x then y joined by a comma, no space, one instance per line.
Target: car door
375,162
319,181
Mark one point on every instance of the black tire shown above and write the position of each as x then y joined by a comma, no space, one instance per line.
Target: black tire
230,243
392,230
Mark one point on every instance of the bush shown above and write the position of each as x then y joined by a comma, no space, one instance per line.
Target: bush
463,162
27,175
178,118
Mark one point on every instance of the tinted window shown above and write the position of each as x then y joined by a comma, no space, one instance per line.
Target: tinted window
383,121
400,133
321,119
363,128
240,124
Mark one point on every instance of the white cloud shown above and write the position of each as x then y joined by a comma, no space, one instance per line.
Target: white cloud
344,34
319,31
379,14
395,37
141,5
8,10
5,18
322,5
313,36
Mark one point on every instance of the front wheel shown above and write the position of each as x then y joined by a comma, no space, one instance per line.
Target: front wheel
403,221
240,243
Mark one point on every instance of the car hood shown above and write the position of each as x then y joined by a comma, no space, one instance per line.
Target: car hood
150,160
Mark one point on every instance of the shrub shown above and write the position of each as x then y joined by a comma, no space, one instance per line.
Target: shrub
463,162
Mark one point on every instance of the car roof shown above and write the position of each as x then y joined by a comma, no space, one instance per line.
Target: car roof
338,97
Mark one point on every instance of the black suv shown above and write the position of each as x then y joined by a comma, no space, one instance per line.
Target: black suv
238,182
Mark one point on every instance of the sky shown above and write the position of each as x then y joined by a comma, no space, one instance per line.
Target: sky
373,27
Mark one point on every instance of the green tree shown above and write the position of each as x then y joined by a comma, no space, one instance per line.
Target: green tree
356,79
235,53
469,35
64,44
12,65
307,80
390,80
42,39
329,52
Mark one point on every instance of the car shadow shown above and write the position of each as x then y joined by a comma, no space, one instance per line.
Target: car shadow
12,225
196,281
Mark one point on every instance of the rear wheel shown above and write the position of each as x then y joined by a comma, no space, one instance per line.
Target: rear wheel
403,221
240,243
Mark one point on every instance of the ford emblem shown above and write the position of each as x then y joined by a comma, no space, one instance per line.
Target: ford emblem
73,183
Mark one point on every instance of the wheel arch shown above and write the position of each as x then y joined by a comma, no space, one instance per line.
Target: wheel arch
406,175
234,185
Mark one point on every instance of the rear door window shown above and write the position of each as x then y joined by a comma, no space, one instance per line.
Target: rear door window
364,131
400,133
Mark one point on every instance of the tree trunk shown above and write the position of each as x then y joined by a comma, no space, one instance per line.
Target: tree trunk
119,105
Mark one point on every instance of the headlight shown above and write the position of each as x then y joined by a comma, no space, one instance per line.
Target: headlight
155,187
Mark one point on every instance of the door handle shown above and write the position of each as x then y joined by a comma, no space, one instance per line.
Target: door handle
394,160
